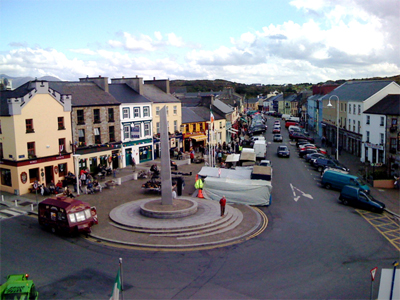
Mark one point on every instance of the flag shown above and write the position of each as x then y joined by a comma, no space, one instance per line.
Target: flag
211,117
117,287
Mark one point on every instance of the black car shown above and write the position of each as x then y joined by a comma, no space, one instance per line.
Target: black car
311,156
283,151
306,151
300,136
321,163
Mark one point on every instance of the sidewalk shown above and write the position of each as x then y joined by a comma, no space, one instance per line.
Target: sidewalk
391,197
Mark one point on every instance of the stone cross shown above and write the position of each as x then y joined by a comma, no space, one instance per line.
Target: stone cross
166,181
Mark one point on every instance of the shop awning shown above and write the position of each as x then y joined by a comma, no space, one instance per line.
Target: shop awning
199,138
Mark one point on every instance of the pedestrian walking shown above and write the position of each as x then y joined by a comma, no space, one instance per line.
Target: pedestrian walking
133,162
222,203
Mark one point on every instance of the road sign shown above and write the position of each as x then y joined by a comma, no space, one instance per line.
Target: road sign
35,185
373,272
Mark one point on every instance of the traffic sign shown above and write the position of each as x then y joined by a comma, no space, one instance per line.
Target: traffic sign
373,272
35,185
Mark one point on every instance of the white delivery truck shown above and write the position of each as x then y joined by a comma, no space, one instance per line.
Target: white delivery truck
260,148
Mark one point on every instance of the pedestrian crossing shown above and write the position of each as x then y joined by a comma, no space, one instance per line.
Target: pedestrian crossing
11,213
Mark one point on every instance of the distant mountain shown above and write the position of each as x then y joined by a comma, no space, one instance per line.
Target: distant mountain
18,81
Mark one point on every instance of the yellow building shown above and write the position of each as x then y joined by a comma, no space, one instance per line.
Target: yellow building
35,137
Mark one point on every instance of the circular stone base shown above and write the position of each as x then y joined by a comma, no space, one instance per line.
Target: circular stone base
180,208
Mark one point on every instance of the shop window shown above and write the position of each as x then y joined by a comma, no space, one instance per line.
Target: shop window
6,177
81,137
60,121
34,175
111,115
97,137
29,125
31,150
96,115
111,132
80,117
62,169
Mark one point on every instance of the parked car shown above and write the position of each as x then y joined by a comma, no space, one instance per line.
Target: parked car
283,151
337,179
301,142
296,136
307,146
266,163
311,156
355,196
277,138
321,163
306,151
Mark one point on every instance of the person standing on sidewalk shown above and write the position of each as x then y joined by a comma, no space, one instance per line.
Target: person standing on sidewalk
222,203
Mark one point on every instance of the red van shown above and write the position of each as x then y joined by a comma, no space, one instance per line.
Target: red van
291,123
66,215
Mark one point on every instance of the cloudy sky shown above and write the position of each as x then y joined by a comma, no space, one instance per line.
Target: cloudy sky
246,41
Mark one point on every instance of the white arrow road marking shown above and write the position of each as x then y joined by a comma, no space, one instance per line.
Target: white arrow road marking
296,198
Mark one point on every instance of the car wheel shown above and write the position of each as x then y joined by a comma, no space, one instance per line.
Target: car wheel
320,169
345,202
328,186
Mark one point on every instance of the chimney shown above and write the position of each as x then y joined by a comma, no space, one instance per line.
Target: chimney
101,82
135,83
162,84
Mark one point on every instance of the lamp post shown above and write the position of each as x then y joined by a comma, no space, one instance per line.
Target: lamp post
76,157
337,124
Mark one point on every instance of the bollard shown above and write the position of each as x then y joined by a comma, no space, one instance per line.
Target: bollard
2,198
16,202
32,207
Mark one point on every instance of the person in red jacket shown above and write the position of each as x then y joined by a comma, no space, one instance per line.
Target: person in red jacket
222,203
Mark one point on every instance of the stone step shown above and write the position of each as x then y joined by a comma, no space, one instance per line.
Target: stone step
230,213
205,229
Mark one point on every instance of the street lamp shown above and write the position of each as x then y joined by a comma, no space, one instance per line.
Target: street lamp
76,158
337,124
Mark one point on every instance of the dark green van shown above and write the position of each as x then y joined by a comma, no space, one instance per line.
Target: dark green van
337,180
355,196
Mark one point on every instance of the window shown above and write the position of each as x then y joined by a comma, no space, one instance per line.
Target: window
31,150
81,137
394,121
60,121
125,113
368,120
61,145
80,116
33,175
349,108
1,151
127,131
175,125
382,139
146,111
354,125
367,136
136,112
0,127
175,110
220,125
157,111
111,133
359,126
62,169
29,125
111,115
146,129
135,134
354,109
349,124
96,115
167,110
359,109
97,137
6,177
382,123
393,145
158,127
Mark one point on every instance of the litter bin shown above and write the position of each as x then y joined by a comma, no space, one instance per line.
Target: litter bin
135,175
180,183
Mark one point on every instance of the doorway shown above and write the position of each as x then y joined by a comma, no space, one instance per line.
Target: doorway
48,173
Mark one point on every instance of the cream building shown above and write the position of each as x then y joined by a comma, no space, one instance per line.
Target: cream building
35,137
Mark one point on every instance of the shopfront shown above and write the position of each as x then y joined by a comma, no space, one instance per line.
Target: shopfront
141,151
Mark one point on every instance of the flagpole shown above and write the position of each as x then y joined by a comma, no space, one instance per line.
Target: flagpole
122,281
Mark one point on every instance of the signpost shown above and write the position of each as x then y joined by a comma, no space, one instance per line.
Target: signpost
373,272
35,186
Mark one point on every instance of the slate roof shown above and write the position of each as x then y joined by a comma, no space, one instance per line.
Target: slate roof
252,100
84,93
357,90
198,114
125,94
390,105
222,107
291,98
156,95
17,93
190,102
